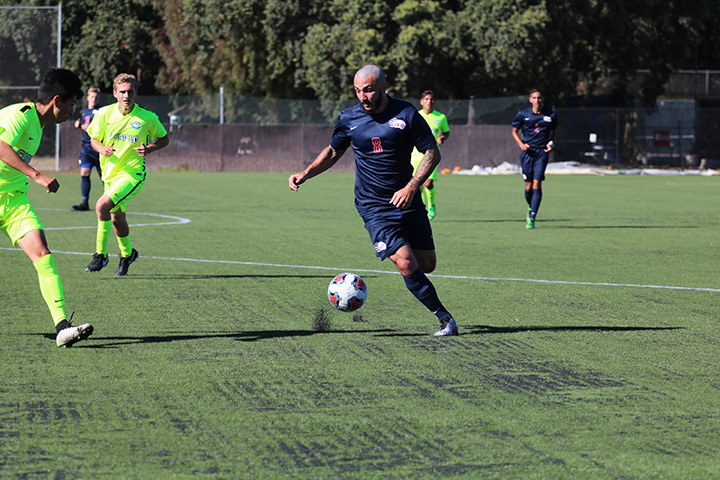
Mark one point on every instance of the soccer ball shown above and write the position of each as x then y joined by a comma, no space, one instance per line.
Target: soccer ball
347,292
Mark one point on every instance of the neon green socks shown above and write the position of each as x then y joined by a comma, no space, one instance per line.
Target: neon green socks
103,234
51,287
125,246
430,195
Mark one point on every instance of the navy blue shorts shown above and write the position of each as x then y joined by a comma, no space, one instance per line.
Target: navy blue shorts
89,158
391,229
534,162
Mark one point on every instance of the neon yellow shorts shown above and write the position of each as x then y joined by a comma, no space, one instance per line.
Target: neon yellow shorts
122,187
17,216
416,163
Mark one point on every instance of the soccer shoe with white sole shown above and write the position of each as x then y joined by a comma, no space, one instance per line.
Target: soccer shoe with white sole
98,263
71,335
125,263
447,327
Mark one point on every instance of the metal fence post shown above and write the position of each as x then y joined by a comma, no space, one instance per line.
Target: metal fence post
617,136
680,131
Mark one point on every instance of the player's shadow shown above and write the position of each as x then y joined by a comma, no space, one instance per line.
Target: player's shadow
520,221
485,329
627,227
569,225
96,341
488,329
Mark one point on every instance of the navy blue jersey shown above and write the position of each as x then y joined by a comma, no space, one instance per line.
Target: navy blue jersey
85,118
382,144
536,128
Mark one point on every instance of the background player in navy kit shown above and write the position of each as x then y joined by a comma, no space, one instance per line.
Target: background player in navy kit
89,158
382,132
538,126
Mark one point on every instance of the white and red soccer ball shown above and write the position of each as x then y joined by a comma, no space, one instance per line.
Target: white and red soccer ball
347,292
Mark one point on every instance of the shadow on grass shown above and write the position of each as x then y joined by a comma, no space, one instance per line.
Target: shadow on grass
482,329
96,341
627,226
520,220
486,329
570,225
253,336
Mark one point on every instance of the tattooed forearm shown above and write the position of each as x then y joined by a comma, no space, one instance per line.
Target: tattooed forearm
427,165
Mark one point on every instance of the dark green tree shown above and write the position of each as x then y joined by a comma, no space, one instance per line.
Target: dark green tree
28,46
310,48
102,38
207,44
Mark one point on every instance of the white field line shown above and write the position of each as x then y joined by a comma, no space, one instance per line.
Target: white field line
361,270
175,220
181,220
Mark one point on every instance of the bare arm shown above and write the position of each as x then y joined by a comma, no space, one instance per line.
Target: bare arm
551,143
326,159
11,158
402,198
159,143
443,138
523,146
100,148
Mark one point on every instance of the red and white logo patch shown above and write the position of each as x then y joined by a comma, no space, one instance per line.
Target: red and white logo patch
397,123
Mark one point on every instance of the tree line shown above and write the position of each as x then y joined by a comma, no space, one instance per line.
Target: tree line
310,49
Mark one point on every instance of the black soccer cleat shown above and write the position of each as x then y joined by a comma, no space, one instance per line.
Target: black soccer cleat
125,263
98,263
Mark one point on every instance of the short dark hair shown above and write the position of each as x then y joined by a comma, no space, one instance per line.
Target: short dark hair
60,82
427,92
536,90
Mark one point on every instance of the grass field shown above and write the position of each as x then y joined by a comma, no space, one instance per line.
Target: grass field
588,347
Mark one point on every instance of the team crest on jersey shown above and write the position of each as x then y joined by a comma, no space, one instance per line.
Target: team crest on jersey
380,246
135,125
397,123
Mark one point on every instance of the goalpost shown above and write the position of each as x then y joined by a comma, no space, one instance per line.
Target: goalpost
28,38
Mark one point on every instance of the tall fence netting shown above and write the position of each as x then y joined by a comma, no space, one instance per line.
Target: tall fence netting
285,135
28,49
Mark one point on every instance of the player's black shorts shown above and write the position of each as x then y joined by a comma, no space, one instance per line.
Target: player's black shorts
390,229
89,158
534,162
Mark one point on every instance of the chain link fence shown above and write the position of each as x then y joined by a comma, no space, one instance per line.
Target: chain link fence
29,47
286,135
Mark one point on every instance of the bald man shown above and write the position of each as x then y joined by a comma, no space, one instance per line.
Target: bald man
383,132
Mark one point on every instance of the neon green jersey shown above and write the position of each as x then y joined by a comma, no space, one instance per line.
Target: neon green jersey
125,133
438,125
437,121
20,128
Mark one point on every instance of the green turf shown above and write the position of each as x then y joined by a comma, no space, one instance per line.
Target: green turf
207,361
